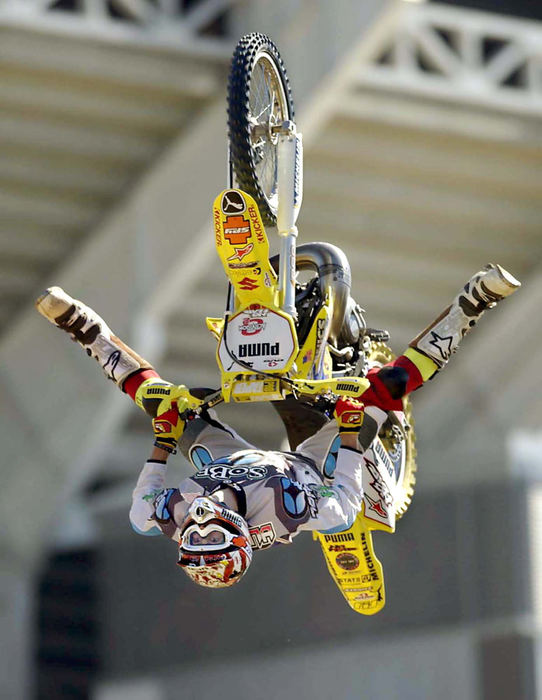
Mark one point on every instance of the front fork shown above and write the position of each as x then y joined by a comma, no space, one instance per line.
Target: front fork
289,195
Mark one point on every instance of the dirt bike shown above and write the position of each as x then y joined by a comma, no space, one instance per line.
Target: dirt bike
298,344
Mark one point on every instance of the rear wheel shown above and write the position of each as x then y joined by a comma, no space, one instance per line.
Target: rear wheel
398,438
259,99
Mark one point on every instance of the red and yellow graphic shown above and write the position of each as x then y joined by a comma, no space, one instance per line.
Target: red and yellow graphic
240,253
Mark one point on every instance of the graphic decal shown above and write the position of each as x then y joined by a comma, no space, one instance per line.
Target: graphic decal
321,333
161,511
258,349
321,491
377,507
307,357
442,344
199,456
234,468
256,224
232,202
236,230
298,499
240,253
378,448
373,573
252,319
248,284
379,486
245,266
351,417
340,537
111,363
347,561
331,460
262,536
251,326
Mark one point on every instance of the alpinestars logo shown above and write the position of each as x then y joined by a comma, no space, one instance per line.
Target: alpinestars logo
240,253
376,506
377,483
442,344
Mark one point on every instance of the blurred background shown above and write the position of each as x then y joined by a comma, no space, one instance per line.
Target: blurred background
423,161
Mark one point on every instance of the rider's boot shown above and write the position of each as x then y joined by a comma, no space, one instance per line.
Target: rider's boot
84,325
442,337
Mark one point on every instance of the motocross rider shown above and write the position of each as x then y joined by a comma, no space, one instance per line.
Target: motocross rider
242,498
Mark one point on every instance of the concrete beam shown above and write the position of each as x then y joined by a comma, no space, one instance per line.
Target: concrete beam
368,192
106,144
53,97
165,69
491,168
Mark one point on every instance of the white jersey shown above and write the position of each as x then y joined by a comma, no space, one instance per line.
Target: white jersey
285,493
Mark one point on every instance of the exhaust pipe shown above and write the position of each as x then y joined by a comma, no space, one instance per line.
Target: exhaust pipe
333,270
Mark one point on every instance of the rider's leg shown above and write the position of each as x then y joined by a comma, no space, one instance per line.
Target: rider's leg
431,349
130,372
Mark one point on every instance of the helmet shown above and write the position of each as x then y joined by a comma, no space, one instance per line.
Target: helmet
214,548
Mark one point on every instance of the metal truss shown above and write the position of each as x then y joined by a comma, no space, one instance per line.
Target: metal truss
160,22
447,53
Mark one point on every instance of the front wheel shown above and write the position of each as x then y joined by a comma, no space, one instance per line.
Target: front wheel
259,99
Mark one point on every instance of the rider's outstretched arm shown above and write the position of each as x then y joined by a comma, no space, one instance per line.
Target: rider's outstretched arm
430,351
151,482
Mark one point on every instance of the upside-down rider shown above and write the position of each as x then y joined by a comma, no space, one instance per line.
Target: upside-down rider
242,498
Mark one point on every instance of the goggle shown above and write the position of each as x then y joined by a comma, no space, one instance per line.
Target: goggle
210,538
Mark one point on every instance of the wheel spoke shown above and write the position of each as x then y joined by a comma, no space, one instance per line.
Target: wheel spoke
267,108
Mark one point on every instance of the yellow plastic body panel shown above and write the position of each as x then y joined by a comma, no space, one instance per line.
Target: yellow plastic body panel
243,248
354,567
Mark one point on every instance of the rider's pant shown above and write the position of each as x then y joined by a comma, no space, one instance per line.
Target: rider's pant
396,379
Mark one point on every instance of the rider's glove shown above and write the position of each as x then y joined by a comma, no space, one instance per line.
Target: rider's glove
349,415
168,426
167,403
